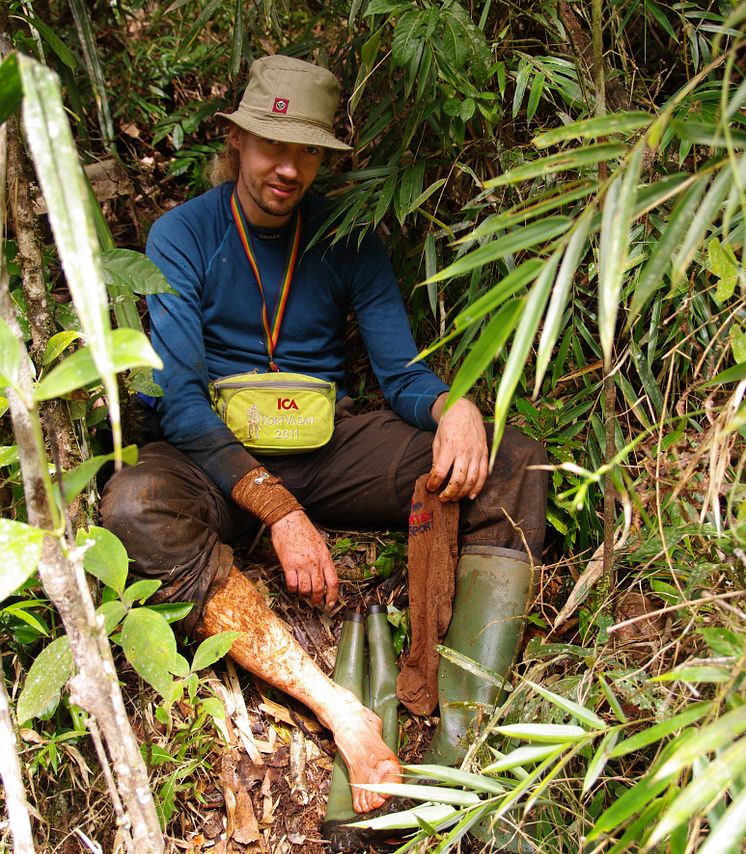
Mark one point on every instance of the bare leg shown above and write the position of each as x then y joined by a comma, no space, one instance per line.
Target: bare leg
267,649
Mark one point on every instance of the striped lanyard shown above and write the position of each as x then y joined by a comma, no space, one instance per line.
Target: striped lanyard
271,331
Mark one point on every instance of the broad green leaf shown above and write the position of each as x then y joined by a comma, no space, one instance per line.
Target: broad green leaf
180,668
20,546
584,715
212,649
520,238
434,794
695,712
11,91
651,277
134,272
600,758
214,707
598,126
521,756
562,162
112,612
106,557
150,647
707,739
10,355
129,349
727,836
522,341
576,248
57,345
140,591
77,479
724,641
172,612
457,777
614,248
22,611
8,455
723,771
544,733
51,669
485,350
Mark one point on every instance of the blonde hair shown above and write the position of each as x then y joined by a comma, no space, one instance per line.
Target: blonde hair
225,165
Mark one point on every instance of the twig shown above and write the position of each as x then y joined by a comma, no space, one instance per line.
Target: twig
122,820
298,721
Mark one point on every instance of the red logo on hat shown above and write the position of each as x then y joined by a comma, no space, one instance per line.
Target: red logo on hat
280,105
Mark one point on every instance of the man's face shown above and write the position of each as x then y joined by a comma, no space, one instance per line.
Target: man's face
273,176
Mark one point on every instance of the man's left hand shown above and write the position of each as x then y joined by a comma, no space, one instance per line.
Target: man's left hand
460,446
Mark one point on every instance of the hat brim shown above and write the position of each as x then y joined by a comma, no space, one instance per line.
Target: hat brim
285,130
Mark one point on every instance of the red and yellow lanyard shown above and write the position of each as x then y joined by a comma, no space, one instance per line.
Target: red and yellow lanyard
271,331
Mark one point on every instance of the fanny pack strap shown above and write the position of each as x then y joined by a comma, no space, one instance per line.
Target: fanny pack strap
271,330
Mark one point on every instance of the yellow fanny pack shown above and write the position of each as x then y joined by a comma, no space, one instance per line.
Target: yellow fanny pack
276,412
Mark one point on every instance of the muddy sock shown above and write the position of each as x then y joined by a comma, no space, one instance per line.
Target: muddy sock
433,554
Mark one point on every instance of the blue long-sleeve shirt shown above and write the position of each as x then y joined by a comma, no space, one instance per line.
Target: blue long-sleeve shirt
213,327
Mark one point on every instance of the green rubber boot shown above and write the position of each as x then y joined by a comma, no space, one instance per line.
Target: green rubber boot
492,592
349,673
383,673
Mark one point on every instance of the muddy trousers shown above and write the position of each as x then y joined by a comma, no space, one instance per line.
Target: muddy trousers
178,527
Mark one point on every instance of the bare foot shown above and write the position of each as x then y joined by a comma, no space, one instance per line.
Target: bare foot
357,734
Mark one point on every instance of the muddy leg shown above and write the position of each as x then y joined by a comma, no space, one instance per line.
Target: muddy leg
267,649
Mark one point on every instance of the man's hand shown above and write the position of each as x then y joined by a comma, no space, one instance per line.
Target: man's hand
460,446
309,570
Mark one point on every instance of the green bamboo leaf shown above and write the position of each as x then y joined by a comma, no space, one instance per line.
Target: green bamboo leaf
212,649
651,277
457,777
537,87
105,557
129,349
77,479
612,700
385,197
521,82
57,345
485,350
63,52
649,384
150,647
576,248
703,790
657,732
11,90
544,733
51,669
499,293
598,126
205,16
524,336
734,374
65,192
434,794
708,133
695,673
20,546
425,195
521,238
431,267
471,666
727,835
527,755
562,162
10,355
705,216
600,758
708,739
584,715
614,248
437,815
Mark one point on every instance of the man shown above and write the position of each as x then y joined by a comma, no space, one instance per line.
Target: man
253,295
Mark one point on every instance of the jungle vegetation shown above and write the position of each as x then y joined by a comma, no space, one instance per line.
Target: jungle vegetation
562,187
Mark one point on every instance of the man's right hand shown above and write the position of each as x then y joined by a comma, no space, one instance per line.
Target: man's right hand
305,559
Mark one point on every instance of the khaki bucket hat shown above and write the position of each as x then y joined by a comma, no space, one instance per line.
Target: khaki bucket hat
291,101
